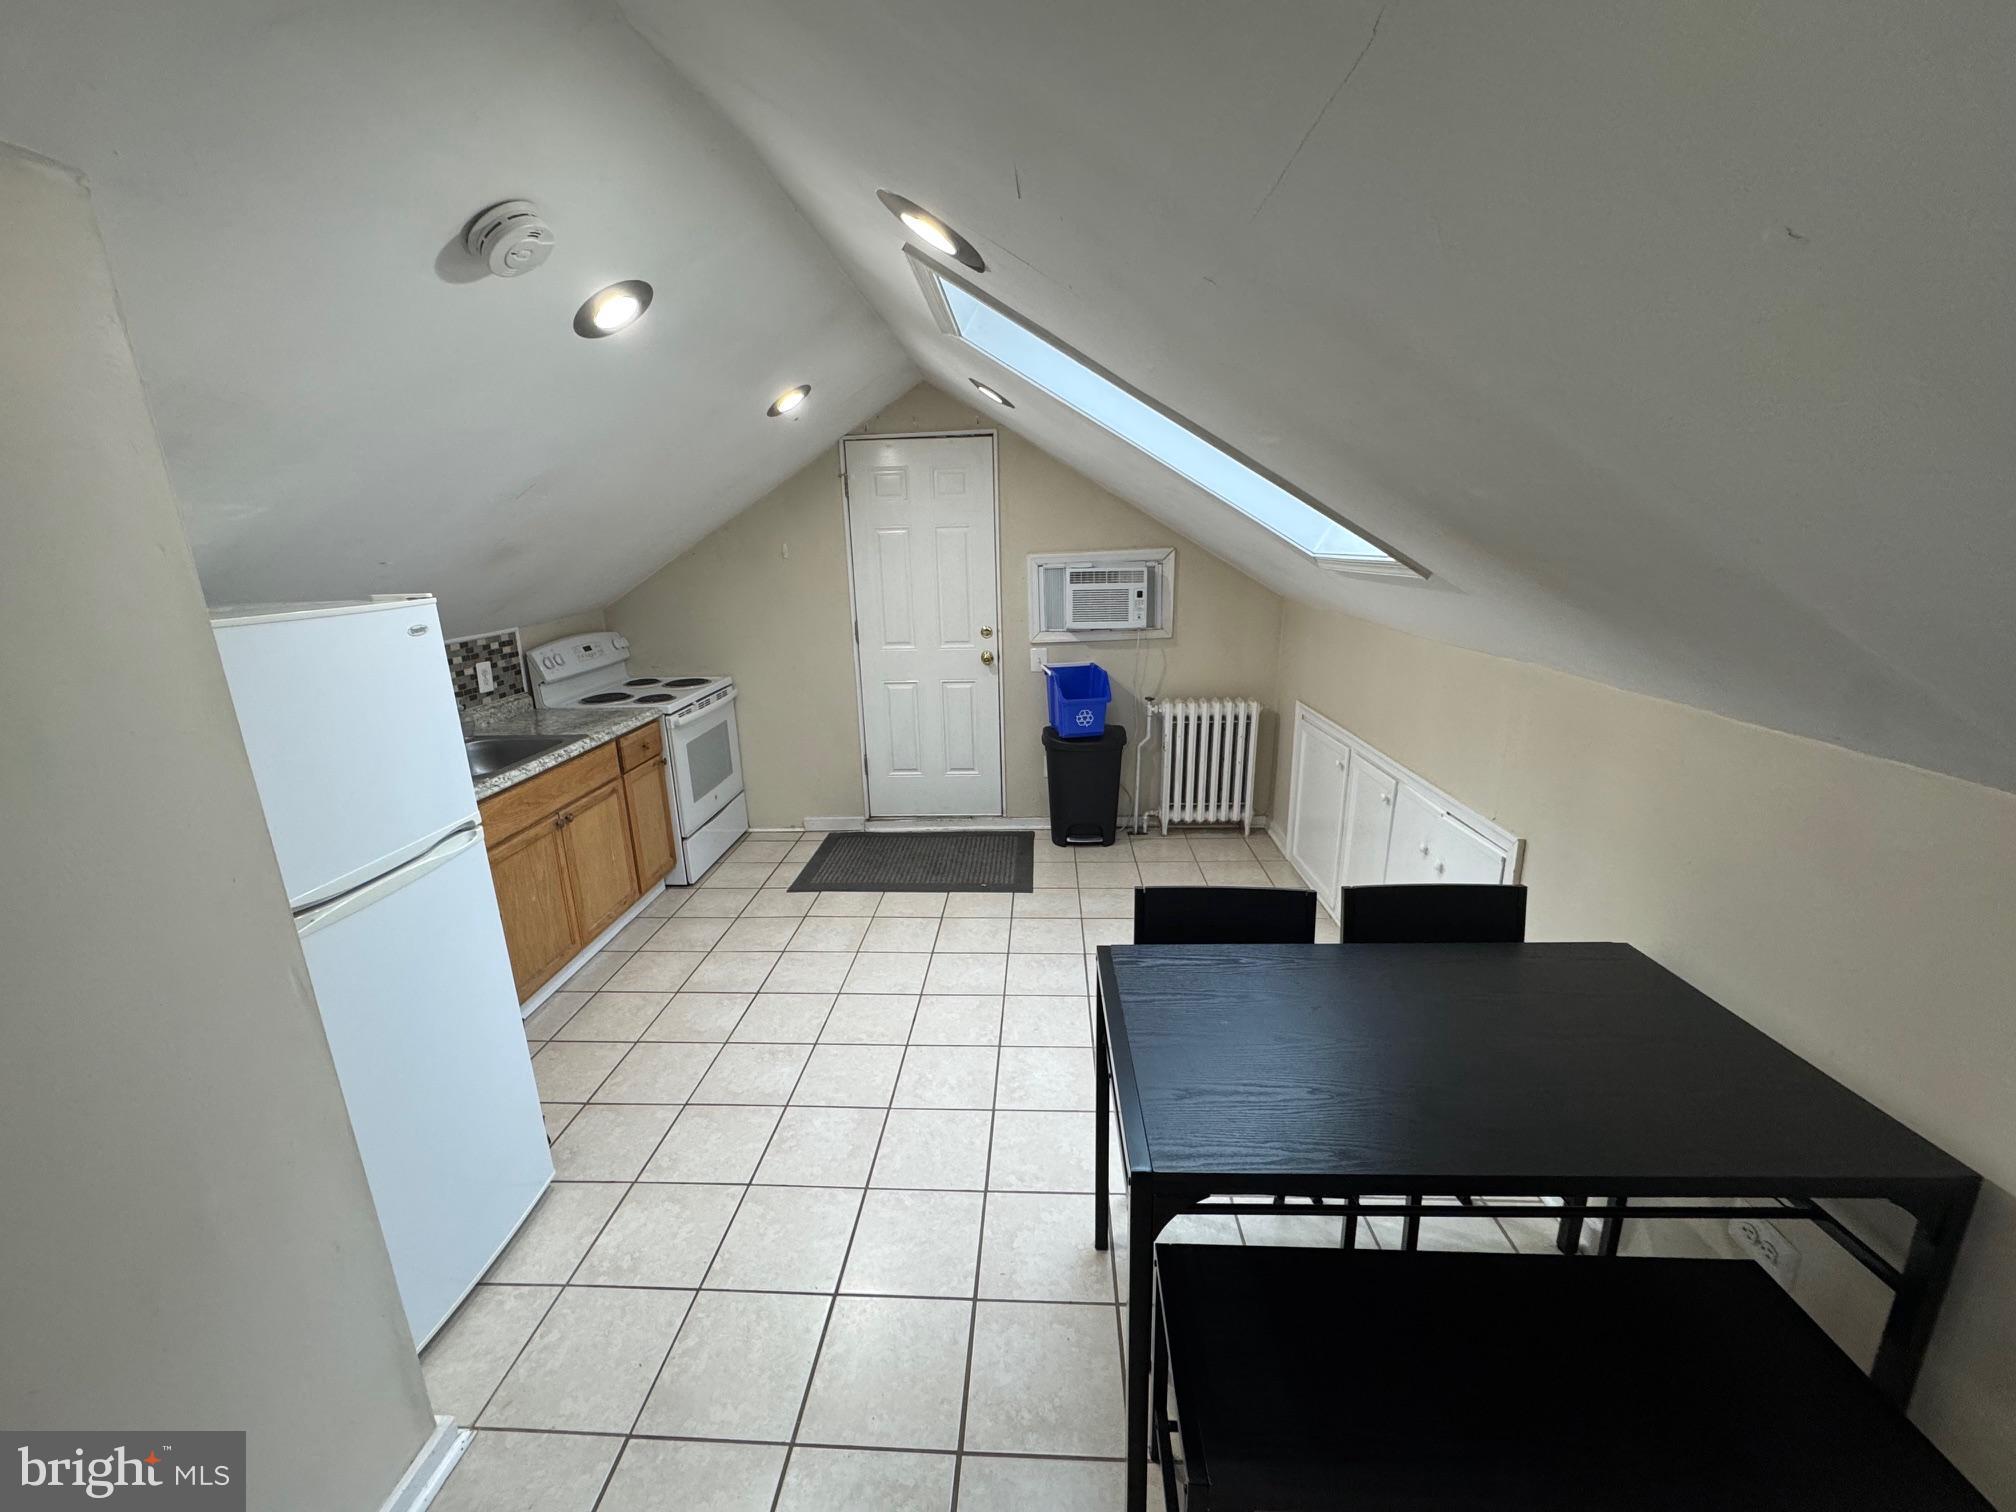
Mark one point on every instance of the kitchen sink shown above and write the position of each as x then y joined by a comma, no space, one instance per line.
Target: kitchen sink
491,754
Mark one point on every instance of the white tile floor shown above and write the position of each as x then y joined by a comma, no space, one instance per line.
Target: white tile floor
820,1235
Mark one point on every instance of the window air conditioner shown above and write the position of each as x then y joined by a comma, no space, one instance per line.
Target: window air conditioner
1106,598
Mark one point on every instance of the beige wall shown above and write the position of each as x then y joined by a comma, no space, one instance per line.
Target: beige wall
189,1242
573,624
765,598
1857,910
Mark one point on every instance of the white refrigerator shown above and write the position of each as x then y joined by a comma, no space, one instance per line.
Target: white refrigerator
349,717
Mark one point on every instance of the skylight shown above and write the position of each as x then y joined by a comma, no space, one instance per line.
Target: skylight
1065,377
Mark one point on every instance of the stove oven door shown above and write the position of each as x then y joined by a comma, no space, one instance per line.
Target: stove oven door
706,761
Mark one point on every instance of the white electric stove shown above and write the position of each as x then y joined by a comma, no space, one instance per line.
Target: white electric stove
703,769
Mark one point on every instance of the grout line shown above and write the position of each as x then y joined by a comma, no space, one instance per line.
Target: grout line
979,1260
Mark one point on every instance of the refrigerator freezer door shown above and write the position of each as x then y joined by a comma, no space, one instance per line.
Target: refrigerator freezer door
349,718
422,1018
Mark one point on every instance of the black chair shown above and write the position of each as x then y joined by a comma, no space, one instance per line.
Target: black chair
1431,913
1224,916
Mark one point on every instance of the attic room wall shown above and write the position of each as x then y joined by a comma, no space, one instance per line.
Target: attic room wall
573,624
190,1242
735,603
1855,909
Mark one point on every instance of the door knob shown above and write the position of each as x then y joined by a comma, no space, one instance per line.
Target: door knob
986,658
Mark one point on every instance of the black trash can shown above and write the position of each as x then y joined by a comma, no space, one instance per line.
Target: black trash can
1084,786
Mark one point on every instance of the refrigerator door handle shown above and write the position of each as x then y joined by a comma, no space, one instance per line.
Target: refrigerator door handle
324,914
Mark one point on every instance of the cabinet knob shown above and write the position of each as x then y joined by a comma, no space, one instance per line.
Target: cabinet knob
1387,799
1424,850
1440,868
1340,766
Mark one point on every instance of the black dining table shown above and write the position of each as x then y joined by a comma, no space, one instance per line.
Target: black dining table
1585,1071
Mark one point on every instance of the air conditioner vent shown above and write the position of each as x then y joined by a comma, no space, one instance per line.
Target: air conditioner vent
1106,598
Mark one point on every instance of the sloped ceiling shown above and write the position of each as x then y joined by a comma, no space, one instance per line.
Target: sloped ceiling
343,408
1673,339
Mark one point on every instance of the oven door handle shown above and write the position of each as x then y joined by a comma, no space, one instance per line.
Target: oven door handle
679,720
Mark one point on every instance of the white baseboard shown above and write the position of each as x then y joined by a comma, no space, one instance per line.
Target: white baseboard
835,822
555,982
429,1471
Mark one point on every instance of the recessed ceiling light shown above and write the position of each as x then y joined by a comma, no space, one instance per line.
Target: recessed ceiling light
789,400
930,230
991,393
610,310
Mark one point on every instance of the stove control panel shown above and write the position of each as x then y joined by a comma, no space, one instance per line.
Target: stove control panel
584,653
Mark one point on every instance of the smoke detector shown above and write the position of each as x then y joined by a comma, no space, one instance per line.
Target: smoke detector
510,238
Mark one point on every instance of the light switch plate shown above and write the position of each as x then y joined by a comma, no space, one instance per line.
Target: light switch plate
1036,658
486,678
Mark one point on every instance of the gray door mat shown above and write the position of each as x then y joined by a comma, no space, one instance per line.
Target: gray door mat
938,861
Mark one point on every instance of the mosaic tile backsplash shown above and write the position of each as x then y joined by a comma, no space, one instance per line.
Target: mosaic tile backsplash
506,659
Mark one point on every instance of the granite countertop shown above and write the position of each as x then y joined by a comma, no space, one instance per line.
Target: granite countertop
585,729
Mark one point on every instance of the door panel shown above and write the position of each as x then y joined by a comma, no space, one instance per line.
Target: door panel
596,840
1315,839
926,585
893,582
1429,846
961,703
1368,823
349,720
422,1025
530,875
650,821
906,741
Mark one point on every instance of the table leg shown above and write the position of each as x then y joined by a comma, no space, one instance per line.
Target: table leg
1612,1231
1141,1230
1928,1268
1102,1118
1568,1237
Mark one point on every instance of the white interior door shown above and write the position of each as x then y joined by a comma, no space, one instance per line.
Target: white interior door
920,514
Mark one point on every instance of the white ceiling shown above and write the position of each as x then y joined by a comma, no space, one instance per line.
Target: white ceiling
1673,339
277,181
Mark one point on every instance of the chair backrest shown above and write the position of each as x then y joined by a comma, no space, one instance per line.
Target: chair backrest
1224,916
1433,913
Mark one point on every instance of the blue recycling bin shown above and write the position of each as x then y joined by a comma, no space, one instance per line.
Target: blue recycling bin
1078,698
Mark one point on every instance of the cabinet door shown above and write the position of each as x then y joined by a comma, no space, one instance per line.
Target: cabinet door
1368,823
1429,846
596,841
1314,840
650,821
529,873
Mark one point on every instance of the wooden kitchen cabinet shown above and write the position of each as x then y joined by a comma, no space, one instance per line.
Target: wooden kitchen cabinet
652,843
602,877
564,860
651,839
529,872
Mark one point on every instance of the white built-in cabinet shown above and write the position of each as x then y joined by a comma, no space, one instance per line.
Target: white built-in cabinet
1357,817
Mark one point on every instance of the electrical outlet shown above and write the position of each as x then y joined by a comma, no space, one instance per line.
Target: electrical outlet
1770,1248
486,678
